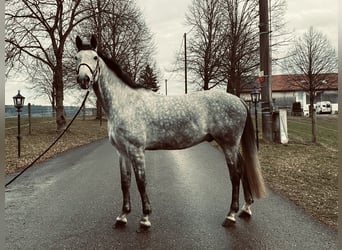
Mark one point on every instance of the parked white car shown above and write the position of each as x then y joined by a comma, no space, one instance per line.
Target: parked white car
306,109
323,107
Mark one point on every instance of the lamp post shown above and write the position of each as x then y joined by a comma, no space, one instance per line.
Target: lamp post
18,103
255,97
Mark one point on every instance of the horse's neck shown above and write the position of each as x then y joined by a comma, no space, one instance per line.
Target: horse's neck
111,91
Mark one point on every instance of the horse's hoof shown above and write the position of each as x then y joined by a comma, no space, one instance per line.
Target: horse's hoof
121,221
145,223
245,215
246,211
229,221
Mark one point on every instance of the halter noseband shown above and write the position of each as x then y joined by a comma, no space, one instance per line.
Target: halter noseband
93,73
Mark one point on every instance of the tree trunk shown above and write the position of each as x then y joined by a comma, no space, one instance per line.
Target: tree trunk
206,79
314,127
58,83
60,114
98,110
53,102
98,102
237,85
233,82
312,112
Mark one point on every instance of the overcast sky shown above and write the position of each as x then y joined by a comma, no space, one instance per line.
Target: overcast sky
166,20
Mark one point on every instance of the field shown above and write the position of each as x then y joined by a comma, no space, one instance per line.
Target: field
306,173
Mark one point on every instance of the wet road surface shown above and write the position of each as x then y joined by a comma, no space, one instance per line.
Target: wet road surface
71,202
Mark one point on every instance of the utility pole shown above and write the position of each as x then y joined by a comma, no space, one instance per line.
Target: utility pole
265,69
185,66
165,86
98,19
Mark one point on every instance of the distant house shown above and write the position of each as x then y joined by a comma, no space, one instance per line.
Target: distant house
285,92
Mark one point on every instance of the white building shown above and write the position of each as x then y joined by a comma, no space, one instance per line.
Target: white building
287,89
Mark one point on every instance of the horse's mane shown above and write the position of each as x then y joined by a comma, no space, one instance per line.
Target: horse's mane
120,73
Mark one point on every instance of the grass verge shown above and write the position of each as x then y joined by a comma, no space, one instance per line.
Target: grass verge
43,133
304,172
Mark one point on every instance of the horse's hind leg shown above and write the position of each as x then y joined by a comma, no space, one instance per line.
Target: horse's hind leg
235,175
125,171
138,163
246,208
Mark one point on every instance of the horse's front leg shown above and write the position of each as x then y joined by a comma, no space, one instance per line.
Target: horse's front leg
138,163
235,175
125,171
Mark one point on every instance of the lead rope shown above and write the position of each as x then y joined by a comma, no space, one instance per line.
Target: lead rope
56,140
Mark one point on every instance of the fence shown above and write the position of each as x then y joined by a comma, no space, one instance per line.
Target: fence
45,111
39,114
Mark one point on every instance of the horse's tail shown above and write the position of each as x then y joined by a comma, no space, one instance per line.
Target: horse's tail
251,160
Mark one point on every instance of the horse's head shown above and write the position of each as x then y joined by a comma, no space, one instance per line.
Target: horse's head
87,64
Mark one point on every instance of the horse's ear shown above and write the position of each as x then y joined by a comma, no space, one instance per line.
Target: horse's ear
78,43
93,42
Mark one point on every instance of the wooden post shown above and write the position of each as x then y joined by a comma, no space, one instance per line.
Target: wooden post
185,66
19,135
29,116
165,86
84,111
100,115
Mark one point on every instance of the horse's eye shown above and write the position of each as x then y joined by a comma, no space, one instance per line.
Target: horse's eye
95,57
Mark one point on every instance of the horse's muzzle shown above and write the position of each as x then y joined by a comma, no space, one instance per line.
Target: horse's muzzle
83,81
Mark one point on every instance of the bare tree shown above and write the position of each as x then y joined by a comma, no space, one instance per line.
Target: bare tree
41,77
34,28
280,36
125,38
224,44
308,62
241,57
205,45
122,34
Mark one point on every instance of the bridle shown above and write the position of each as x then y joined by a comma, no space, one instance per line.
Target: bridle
93,73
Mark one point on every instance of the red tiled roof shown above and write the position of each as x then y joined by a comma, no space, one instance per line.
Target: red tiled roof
282,83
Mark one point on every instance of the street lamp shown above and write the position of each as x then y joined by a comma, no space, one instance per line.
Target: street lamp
18,103
255,97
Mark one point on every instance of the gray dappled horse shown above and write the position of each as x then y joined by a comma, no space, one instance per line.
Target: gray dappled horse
139,120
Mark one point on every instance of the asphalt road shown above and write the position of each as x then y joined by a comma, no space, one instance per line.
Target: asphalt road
71,202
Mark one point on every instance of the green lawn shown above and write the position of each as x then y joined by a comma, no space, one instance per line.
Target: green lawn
326,129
